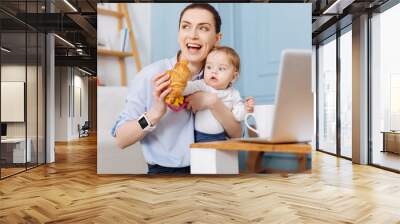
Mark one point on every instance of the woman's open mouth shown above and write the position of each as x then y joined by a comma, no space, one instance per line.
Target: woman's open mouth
193,48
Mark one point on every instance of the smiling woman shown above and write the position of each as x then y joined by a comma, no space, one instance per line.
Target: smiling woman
166,135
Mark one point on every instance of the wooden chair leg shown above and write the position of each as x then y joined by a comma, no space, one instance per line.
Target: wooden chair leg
254,158
254,162
302,158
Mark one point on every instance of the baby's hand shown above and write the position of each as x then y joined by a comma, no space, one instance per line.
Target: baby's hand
250,104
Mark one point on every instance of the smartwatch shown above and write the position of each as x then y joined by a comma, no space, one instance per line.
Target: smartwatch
145,123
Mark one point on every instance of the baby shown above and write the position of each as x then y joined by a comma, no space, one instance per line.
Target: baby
221,70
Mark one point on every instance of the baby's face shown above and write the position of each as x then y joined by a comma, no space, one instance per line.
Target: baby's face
218,71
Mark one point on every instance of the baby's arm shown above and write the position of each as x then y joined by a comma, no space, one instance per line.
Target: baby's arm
250,104
196,86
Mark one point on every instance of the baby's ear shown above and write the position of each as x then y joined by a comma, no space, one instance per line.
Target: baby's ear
235,76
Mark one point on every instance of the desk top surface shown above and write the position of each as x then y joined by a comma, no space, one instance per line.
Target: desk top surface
250,146
13,140
391,132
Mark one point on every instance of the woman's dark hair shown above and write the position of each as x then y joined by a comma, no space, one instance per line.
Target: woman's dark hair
205,6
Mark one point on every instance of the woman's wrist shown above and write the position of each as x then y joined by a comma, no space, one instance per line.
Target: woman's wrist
154,116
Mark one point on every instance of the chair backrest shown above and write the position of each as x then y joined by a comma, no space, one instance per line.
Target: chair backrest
86,125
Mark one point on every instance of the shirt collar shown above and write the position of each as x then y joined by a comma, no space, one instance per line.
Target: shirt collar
199,75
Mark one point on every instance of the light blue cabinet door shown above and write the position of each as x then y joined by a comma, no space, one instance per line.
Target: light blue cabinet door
264,31
164,30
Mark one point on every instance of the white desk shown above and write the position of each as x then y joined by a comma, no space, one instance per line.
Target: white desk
221,157
19,149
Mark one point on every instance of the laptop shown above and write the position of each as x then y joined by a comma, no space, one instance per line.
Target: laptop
293,116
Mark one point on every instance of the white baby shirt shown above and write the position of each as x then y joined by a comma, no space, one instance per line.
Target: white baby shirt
204,120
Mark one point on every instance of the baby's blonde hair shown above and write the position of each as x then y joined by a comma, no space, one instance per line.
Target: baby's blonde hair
234,58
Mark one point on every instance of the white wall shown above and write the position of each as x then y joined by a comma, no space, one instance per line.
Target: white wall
108,67
61,103
13,72
68,80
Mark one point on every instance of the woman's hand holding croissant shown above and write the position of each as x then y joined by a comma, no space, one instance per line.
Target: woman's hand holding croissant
161,86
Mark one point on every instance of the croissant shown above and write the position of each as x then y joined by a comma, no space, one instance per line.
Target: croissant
179,76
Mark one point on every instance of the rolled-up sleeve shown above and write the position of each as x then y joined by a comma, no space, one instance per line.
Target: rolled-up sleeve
238,108
239,111
135,102
196,86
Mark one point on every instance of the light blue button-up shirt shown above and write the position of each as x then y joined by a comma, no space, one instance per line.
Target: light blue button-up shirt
168,144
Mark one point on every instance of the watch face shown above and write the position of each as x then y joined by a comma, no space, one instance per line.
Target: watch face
143,123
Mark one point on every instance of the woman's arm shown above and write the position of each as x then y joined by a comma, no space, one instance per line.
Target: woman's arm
130,132
202,100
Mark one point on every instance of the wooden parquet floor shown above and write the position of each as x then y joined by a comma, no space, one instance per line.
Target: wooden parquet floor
70,191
